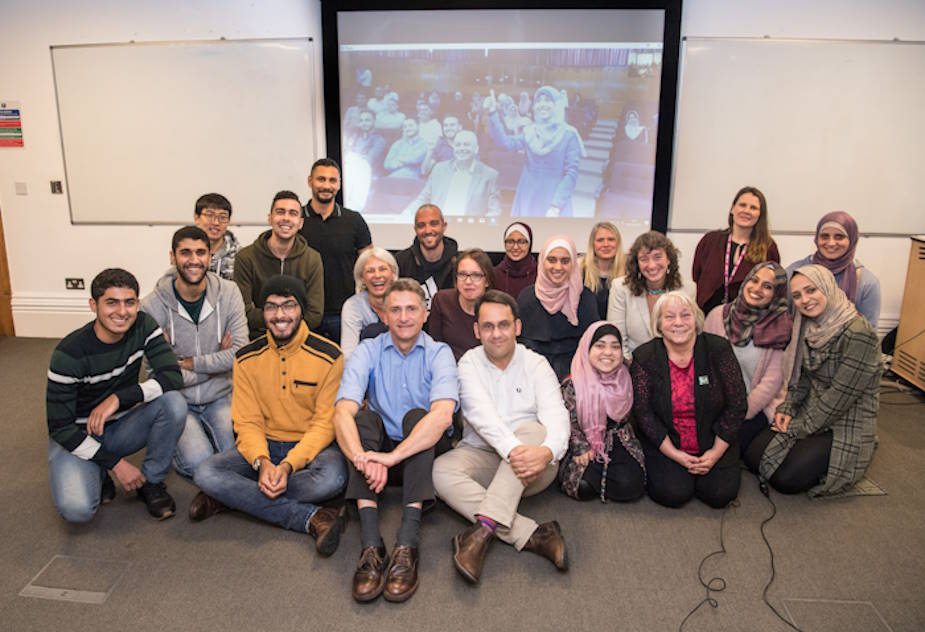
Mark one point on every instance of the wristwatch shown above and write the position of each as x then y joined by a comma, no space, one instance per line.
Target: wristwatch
256,464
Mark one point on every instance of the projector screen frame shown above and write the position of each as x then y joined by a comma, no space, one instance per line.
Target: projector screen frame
668,91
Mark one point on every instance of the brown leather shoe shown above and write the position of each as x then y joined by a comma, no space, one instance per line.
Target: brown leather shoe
369,578
402,579
547,541
204,506
326,526
470,548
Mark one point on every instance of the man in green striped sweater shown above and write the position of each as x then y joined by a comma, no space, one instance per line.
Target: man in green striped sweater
98,412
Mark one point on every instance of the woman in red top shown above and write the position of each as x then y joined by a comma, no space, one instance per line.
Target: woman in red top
689,401
724,258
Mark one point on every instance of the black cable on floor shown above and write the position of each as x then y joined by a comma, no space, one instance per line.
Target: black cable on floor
764,595
716,584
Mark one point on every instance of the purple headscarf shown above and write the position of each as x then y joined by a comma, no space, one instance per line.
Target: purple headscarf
844,265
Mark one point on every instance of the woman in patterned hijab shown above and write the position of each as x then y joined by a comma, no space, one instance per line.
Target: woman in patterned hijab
758,324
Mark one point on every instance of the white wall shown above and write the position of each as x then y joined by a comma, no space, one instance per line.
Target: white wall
43,247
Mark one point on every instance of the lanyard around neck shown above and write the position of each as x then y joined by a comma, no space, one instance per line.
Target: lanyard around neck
727,274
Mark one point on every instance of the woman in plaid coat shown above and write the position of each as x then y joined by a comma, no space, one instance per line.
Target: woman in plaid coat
824,433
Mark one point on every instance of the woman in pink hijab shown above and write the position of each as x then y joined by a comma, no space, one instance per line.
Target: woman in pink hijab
558,308
604,459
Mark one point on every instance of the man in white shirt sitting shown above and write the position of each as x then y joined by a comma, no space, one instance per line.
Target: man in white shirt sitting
517,428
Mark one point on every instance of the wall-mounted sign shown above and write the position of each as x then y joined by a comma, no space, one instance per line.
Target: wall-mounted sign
10,124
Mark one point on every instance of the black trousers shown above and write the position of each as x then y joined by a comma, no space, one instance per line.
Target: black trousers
671,485
805,465
625,479
413,474
750,429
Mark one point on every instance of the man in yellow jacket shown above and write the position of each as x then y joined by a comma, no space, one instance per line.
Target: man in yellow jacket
282,403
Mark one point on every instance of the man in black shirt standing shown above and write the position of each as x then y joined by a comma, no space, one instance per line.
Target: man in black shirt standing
339,235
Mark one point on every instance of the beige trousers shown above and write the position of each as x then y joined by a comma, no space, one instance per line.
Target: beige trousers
477,481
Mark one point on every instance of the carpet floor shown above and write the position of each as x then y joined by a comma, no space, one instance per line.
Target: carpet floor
850,564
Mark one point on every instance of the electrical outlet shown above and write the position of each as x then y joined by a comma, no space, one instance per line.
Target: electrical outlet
21,188
56,187
74,284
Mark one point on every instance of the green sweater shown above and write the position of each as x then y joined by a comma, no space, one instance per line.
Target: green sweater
255,264
84,371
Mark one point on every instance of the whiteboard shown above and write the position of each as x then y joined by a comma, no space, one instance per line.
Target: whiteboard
816,125
148,128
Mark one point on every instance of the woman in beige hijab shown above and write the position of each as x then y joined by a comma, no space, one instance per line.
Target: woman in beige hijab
823,435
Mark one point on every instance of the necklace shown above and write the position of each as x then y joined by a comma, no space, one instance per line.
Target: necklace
655,292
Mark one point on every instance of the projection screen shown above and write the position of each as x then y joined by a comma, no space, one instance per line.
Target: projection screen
547,116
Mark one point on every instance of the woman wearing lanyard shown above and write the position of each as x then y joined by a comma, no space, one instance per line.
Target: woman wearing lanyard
746,242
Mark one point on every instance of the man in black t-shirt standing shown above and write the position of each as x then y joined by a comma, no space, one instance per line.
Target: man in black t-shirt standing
339,235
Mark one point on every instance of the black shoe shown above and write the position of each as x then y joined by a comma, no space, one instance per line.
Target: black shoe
108,491
160,503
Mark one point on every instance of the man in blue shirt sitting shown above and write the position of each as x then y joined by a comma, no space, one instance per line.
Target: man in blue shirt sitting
409,382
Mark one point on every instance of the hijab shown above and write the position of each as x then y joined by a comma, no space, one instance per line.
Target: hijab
565,297
818,331
844,265
524,268
633,129
542,138
768,326
599,396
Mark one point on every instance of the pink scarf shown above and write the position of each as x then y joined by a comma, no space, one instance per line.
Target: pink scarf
599,396
559,298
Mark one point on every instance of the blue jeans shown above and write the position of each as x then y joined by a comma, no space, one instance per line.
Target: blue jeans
208,431
156,426
228,478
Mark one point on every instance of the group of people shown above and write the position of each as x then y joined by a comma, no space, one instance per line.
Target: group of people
281,385
445,151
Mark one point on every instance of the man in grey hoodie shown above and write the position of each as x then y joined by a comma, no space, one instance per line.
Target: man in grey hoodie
203,319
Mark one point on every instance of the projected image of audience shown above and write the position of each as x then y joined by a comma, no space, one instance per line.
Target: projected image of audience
501,132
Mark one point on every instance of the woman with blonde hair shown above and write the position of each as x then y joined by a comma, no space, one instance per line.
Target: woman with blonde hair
373,272
689,401
603,262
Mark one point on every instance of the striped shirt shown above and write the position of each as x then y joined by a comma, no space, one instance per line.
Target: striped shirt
84,371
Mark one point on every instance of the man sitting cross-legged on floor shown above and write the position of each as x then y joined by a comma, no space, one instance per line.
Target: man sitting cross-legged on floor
281,406
517,428
98,413
412,392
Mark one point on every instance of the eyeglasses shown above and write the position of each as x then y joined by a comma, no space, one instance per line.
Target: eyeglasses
470,276
219,218
288,307
516,242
